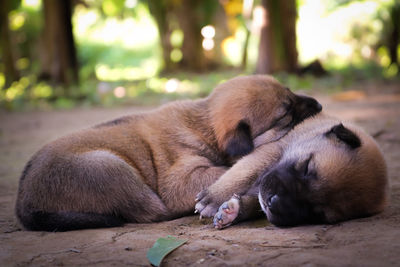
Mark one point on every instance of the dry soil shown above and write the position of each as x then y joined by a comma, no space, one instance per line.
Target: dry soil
373,241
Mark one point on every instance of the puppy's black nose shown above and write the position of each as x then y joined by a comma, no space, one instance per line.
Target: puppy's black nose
271,201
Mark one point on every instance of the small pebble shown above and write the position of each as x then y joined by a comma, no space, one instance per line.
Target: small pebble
212,252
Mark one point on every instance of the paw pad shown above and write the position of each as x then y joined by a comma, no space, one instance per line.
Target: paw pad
227,213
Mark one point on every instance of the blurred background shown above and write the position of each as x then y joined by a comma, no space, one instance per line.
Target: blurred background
63,54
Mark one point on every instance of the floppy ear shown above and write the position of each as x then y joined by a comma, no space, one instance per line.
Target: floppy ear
345,135
238,142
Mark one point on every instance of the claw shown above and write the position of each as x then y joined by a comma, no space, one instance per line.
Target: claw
201,217
196,211
236,196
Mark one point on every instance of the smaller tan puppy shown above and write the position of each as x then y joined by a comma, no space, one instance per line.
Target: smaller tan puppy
328,171
149,167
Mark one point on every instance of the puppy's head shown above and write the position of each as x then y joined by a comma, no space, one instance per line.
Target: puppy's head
246,107
336,175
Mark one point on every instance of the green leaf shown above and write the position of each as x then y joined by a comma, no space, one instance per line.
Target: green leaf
162,247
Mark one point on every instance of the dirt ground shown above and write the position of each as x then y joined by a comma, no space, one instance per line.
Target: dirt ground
373,241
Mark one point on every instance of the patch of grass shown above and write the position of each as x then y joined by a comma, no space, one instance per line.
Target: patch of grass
28,93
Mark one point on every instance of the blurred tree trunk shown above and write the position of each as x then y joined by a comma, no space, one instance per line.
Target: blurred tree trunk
247,13
190,24
243,63
10,71
159,10
190,16
59,60
277,50
220,22
193,57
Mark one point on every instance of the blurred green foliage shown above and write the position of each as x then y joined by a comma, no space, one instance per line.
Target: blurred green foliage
120,59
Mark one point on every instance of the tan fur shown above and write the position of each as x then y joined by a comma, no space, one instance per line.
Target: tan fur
224,121
352,183
346,182
149,167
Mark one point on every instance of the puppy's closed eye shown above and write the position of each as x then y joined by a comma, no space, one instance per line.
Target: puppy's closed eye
305,168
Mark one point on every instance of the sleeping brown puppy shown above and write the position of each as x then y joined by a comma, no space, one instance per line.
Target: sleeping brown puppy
328,171
149,167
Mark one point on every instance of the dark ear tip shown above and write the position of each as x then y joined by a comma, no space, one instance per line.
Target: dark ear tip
345,135
238,149
337,128
239,142
243,126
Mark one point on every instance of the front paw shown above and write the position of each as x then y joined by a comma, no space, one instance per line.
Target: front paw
206,205
227,212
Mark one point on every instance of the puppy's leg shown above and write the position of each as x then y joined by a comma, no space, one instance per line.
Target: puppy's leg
238,179
189,175
88,190
238,208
